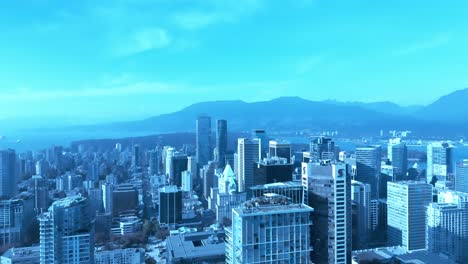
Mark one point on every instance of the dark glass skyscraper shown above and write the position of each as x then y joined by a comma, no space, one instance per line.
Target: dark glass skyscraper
271,170
262,135
221,141
178,165
7,173
280,149
170,205
368,168
136,156
203,144
398,155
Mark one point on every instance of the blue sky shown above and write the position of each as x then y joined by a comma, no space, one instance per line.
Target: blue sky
94,61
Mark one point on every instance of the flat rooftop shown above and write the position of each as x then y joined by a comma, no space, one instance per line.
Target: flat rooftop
192,246
270,202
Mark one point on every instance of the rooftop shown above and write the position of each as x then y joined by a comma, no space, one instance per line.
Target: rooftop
69,201
278,185
408,183
191,246
274,161
270,202
414,257
22,253
169,189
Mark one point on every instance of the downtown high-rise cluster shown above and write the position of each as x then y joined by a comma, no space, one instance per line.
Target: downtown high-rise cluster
216,198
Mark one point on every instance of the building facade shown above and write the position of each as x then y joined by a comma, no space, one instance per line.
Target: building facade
269,229
248,151
406,208
67,232
328,190
368,162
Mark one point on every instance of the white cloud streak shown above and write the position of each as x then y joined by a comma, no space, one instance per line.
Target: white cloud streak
421,46
143,40
215,12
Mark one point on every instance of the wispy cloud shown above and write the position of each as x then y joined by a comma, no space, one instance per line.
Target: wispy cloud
427,44
308,64
140,88
213,12
143,40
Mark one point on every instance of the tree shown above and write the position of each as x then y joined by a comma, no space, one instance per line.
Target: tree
150,261
226,222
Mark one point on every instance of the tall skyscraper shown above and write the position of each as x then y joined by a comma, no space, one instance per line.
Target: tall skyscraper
187,181
449,235
271,170
368,162
360,196
154,162
461,176
221,142
107,198
398,155
248,151
179,163
40,190
170,205
328,190
263,140
440,161
269,229
203,144
67,232
406,203
7,173
446,231
124,200
15,218
136,156
280,149
322,148
208,174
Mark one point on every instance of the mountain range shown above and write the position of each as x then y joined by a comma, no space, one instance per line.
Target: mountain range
447,116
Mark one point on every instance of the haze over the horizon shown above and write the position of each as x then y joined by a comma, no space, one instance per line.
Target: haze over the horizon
106,61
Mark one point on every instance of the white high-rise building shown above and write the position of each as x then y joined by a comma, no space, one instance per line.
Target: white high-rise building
67,232
461,176
327,189
407,201
449,233
439,161
446,232
269,229
169,154
248,151
187,181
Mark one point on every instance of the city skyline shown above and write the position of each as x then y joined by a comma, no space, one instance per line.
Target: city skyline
233,131
138,57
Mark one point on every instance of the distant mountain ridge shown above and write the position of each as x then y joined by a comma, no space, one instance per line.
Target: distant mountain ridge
450,108
298,114
382,107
